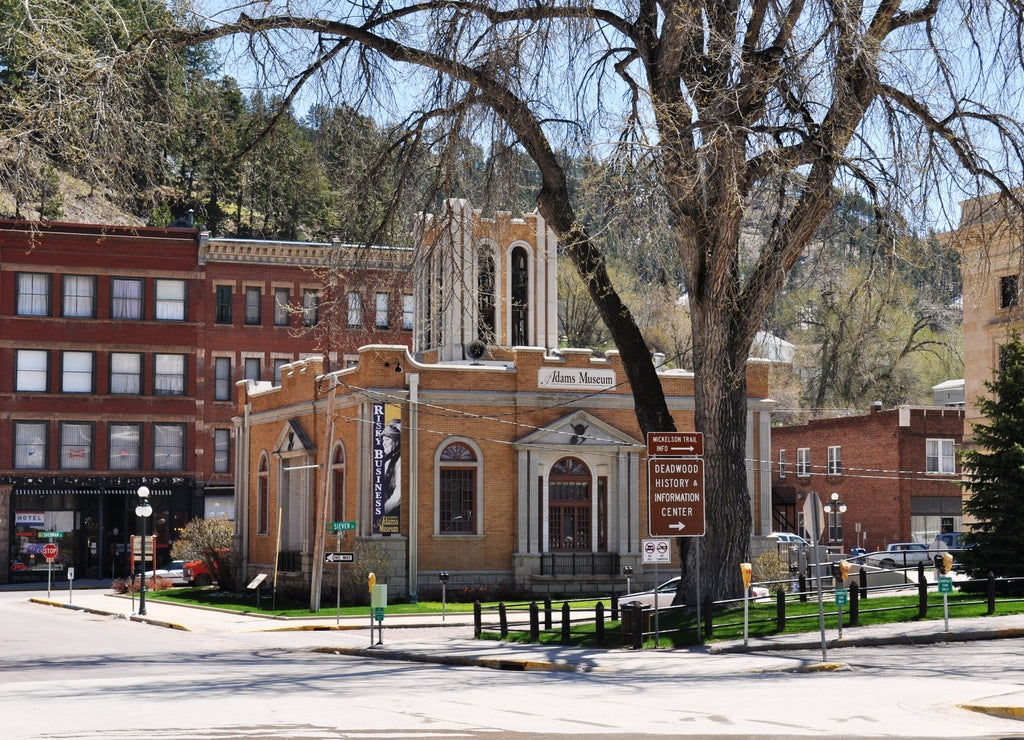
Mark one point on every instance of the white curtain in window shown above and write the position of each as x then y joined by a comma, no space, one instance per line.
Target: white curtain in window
381,317
32,370
252,305
126,297
78,295
168,446
124,446
355,309
29,445
77,372
408,302
75,446
169,377
221,450
33,294
125,373
170,300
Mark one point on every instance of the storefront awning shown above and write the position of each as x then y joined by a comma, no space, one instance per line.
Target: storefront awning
88,491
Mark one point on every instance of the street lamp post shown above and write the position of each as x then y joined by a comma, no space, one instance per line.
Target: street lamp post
143,511
834,508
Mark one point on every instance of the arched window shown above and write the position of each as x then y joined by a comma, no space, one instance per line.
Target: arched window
570,505
485,295
263,496
458,476
520,297
338,484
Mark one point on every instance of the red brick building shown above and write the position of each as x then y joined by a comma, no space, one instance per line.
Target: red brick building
895,470
120,348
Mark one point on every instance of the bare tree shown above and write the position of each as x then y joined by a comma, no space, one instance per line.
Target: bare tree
727,104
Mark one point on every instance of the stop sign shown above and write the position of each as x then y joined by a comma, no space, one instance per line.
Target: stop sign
49,552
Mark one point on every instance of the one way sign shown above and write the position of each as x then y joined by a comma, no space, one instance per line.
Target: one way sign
340,557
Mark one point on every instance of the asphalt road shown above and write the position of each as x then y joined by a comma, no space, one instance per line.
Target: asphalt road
79,675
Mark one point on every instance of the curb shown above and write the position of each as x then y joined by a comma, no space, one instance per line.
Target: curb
502,664
905,639
101,612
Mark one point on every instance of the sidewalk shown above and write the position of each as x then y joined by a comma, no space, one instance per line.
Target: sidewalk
449,641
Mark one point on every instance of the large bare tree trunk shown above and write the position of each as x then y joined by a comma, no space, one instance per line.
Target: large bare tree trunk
721,414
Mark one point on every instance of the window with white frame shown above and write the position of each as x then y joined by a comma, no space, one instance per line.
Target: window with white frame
125,445
803,462
33,290
32,370
170,300
939,456
76,445
222,379
408,302
125,373
382,303
355,309
168,446
782,463
126,298
76,372
835,460
169,375
30,438
79,296
221,450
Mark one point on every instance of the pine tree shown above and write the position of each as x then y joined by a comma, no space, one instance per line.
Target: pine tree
994,471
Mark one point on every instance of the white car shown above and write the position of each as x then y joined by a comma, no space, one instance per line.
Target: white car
172,572
788,538
900,555
665,593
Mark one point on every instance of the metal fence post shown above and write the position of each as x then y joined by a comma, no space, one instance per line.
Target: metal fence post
566,623
534,622
599,622
922,592
990,592
502,620
780,610
477,619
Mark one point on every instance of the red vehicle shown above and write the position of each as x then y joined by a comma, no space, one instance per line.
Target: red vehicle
195,573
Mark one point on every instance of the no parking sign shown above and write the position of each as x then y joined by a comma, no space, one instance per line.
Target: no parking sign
657,551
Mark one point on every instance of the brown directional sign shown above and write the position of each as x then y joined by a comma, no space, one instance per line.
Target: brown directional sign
675,504
681,444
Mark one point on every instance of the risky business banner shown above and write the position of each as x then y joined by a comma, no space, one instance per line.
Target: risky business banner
387,468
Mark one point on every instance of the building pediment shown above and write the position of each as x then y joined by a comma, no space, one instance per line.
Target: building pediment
579,429
293,440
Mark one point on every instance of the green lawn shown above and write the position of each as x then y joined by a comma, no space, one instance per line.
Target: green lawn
282,607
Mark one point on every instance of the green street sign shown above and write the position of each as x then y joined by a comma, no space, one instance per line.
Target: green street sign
378,613
340,526
945,585
50,534
842,596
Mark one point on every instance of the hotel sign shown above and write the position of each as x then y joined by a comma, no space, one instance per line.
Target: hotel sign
576,378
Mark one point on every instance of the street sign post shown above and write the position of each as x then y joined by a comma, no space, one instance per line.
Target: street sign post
675,506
